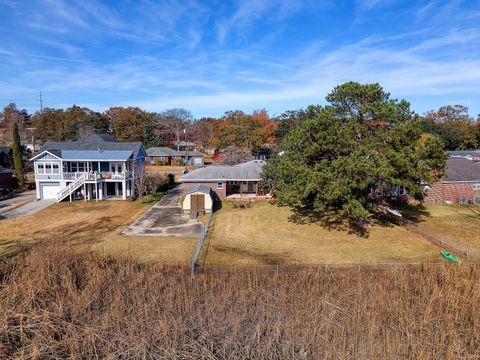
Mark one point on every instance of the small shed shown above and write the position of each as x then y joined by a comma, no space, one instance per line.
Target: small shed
197,199
6,178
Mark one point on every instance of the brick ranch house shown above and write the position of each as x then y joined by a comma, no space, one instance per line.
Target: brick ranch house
228,182
97,167
461,184
167,156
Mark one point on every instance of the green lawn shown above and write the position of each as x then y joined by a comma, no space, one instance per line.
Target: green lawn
264,235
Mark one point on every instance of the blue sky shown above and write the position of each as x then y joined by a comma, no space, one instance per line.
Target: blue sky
213,56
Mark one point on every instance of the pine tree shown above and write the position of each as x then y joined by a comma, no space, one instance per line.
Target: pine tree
17,156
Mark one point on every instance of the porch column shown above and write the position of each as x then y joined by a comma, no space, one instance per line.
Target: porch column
37,190
129,189
96,191
124,190
90,192
241,188
132,188
116,188
85,192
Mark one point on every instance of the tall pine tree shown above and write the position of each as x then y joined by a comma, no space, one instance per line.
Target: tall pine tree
17,156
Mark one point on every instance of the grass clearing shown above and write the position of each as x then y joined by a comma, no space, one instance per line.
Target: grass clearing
460,222
264,235
97,225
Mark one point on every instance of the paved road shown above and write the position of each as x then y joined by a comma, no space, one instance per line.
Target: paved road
27,209
165,218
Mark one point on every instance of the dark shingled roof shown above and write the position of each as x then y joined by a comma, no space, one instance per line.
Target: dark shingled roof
165,151
104,142
250,170
461,169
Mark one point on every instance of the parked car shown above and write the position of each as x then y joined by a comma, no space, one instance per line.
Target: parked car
5,193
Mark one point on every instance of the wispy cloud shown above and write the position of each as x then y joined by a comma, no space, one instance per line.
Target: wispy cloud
211,58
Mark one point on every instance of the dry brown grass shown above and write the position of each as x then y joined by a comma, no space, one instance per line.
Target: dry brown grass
264,235
461,222
56,303
97,224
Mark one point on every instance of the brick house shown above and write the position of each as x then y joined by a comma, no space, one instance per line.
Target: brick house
228,182
461,184
167,156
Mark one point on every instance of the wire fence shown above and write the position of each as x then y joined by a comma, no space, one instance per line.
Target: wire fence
198,247
441,240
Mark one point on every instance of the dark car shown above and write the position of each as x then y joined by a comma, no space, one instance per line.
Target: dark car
5,193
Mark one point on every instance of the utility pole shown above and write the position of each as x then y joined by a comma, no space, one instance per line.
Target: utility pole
32,131
41,103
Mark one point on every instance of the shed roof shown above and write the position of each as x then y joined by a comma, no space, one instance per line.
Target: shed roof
199,188
250,170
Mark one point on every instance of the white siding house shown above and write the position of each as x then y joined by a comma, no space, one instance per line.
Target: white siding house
97,167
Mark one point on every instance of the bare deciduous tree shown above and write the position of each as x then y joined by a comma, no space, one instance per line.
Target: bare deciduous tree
233,155
175,120
140,180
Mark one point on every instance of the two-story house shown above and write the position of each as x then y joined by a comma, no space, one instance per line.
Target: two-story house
97,167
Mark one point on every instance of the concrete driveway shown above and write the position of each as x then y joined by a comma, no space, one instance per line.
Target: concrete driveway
165,218
27,209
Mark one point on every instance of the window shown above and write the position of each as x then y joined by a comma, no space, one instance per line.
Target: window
476,186
220,186
402,190
476,200
40,168
73,167
55,169
152,160
81,167
462,201
48,168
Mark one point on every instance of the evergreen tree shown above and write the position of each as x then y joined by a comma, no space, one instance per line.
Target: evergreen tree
342,155
17,156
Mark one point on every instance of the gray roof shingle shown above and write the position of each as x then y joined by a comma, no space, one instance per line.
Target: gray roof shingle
165,151
102,142
461,169
199,188
250,170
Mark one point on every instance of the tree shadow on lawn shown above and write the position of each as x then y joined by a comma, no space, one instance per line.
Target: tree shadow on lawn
414,212
336,220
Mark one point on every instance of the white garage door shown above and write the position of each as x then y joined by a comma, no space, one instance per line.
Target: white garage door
50,191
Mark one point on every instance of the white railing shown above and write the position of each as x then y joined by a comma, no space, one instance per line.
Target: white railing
71,187
89,176
113,175
71,175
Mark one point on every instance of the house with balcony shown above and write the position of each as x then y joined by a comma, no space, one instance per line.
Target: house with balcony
95,168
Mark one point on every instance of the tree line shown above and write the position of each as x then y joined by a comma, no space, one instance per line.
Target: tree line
248,132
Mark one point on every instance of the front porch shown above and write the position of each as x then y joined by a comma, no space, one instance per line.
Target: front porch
243,190
103,190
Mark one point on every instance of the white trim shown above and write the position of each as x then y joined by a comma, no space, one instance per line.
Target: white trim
43,152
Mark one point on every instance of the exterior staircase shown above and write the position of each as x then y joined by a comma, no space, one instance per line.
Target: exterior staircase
79,181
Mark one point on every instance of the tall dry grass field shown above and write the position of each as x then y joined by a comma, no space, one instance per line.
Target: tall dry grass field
55,303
